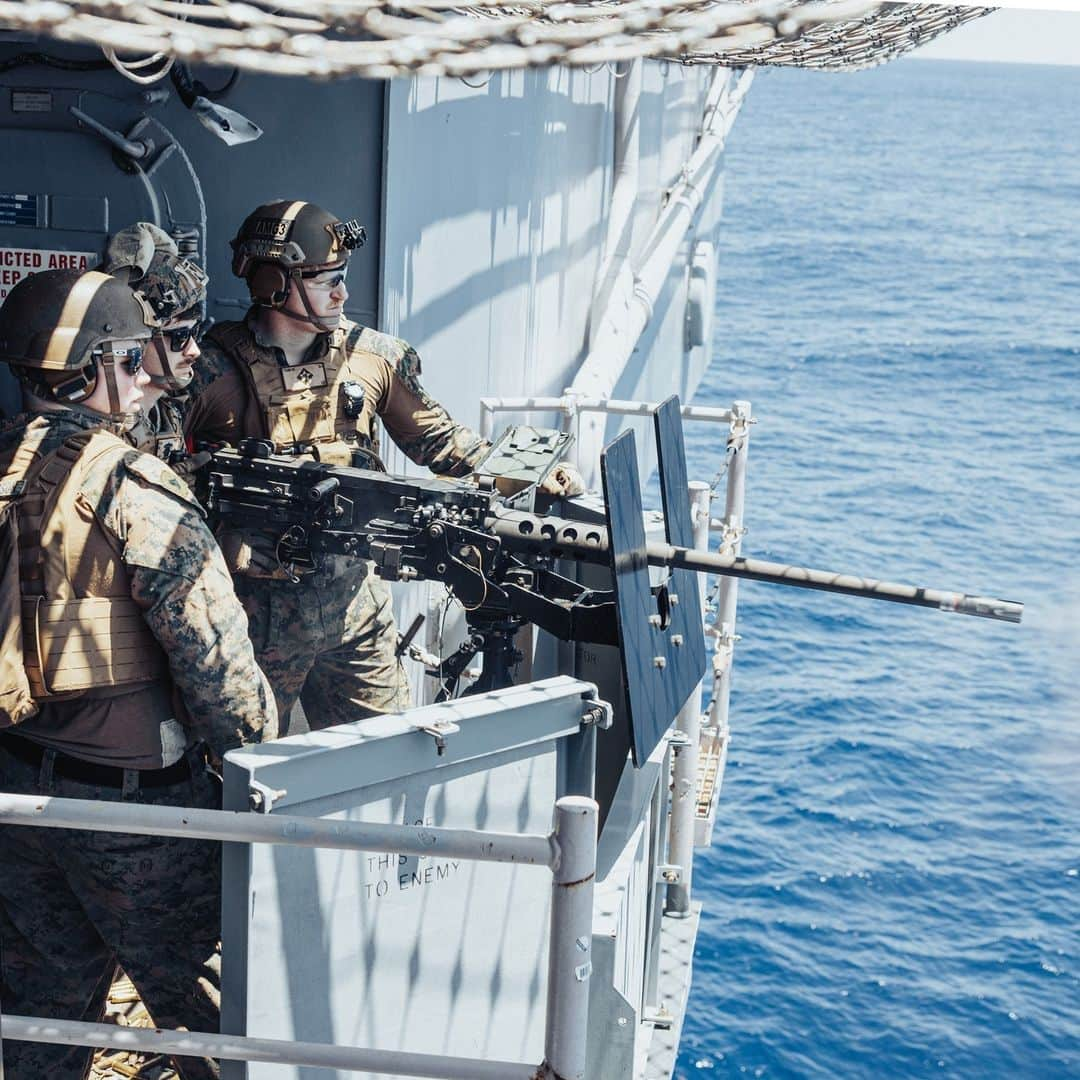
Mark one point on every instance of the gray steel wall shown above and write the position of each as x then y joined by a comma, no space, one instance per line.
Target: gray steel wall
496,201
321,142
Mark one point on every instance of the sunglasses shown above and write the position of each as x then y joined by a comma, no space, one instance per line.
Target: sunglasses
130,360
179,338
330,283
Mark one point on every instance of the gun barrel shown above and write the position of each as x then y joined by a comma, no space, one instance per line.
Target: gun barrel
825,580
590,543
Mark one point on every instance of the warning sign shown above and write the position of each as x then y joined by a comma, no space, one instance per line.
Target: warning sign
17,263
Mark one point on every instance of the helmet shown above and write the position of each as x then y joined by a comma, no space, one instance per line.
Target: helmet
147,259
55,325
280,242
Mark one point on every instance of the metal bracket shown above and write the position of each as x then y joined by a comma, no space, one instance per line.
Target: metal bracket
261,798
668,874
438,731
658,1017
598,713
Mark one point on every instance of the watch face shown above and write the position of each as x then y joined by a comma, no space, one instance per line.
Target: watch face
352,399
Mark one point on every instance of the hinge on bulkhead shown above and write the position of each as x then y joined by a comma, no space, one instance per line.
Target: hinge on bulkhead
668,874
659,1017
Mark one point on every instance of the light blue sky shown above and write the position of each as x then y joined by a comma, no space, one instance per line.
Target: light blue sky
1025,37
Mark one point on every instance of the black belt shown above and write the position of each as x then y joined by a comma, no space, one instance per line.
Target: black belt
87,772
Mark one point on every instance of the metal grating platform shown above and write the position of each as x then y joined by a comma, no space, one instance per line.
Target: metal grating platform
677,937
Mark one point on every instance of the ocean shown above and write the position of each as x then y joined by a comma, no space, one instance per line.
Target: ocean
893,887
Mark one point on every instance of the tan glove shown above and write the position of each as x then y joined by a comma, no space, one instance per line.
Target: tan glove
564,479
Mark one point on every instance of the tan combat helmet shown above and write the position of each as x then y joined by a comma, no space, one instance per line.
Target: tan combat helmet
147,259
282,243
55,326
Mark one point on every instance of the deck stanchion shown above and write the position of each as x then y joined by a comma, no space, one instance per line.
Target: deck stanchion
570,948
687,750
729,586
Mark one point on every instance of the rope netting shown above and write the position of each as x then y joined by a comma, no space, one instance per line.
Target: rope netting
384,38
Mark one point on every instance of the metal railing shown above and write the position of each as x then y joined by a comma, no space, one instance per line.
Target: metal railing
693,803
694,789
572,406
569,851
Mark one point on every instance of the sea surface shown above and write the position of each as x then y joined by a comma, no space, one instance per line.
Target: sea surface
893,889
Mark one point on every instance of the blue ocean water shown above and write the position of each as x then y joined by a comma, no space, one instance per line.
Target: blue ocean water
893,889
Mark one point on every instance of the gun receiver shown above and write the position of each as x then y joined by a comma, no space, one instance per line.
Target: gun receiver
464,536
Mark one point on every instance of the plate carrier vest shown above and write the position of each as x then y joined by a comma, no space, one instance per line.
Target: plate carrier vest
69,624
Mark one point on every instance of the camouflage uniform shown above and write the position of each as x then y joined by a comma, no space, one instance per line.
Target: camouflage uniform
329,639
73,903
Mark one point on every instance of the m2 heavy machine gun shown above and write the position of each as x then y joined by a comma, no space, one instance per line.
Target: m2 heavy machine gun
506,562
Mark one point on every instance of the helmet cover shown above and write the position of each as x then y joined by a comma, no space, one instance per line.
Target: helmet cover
148,259
295,235
54,320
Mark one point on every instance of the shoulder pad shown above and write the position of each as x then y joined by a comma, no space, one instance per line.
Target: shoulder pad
156,473
399,354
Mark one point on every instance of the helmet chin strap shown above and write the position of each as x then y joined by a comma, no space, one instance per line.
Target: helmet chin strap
311,318
108,366
118,418
167,380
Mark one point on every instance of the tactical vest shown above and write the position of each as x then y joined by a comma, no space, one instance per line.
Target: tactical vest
70,623
302,406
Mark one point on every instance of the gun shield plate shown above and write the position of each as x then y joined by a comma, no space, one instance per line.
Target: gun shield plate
686,660
653,681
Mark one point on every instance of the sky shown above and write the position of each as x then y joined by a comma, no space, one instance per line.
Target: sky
1022,37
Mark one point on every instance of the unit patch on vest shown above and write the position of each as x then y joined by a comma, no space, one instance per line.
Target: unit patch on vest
304,377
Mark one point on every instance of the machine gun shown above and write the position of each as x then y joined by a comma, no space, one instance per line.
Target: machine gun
465,536
501,563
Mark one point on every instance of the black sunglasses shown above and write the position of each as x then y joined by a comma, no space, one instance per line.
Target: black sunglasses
179,338
130,359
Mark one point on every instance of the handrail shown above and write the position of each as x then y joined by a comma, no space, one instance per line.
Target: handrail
571,405
569,851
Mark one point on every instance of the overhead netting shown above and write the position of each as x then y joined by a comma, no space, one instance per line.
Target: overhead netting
380,39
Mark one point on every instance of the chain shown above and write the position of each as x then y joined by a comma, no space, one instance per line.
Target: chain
729,457
384,38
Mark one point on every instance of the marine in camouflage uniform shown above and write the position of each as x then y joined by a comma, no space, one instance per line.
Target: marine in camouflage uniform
147,258
132,658
326,637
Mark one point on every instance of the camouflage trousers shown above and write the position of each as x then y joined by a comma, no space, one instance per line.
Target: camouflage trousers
329,641
74,903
